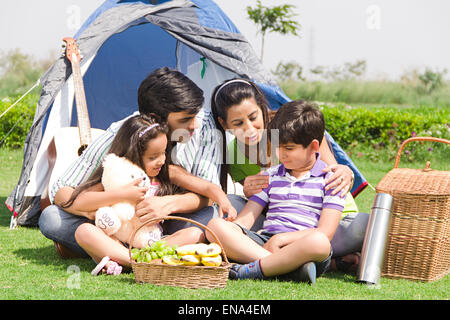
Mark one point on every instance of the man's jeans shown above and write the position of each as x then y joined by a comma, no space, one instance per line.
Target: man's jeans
60,226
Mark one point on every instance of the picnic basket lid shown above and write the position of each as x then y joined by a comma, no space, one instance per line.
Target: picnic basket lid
416,181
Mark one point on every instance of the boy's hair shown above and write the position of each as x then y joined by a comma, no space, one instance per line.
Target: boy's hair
299,122
165,91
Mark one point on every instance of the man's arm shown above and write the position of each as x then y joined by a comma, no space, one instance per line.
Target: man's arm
155,207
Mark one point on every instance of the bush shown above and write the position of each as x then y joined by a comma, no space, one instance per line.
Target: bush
366,130
15,124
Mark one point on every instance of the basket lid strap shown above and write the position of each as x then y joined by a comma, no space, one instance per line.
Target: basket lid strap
402,146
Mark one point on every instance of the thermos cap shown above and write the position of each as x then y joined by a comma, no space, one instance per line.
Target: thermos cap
383,201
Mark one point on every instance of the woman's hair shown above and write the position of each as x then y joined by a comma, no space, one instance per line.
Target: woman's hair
299,122
131,142
165,91
230,93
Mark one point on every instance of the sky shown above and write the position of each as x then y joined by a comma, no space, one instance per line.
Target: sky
393,36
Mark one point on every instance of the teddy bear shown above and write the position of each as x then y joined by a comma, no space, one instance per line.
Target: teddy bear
119,220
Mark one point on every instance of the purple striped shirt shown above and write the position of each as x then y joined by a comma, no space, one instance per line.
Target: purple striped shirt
296,204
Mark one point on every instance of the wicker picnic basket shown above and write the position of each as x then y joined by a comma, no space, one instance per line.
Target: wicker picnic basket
181,275
418,242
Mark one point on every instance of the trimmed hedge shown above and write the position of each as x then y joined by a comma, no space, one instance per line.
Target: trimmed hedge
366,126
384,126
365,131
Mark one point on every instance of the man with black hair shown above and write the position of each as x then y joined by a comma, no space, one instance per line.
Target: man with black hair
172,98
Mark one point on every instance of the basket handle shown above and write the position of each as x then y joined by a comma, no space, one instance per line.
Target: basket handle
175,218
402,146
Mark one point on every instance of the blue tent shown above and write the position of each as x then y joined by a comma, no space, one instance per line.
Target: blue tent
120,44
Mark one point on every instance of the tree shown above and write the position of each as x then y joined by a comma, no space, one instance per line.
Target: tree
431,80
288,70
273,19
19,71
348,71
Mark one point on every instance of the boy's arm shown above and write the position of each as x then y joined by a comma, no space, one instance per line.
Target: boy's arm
329,221
249,214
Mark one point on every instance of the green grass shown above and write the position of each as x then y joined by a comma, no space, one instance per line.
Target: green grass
31,269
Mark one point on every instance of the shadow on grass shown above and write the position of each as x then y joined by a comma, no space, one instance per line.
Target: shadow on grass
47,256
344,277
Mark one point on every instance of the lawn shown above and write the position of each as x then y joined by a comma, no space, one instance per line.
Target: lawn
31,269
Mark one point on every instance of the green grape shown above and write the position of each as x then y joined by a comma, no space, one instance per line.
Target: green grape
148,257
134,253
154,255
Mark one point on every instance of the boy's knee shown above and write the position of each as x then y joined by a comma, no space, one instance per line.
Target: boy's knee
320,245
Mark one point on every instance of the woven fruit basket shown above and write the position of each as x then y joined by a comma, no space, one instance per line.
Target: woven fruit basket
181,275
418,241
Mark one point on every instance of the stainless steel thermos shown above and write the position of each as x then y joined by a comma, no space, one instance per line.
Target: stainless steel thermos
372,254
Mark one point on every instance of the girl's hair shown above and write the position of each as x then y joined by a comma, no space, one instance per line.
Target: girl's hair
230,93
131,142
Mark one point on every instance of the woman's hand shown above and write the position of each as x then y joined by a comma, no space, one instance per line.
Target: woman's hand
255,184
341,180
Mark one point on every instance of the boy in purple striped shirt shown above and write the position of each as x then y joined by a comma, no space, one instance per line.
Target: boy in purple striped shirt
302,216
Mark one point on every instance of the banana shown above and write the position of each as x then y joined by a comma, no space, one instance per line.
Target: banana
190,260
172,260
212,261
210,250
190,249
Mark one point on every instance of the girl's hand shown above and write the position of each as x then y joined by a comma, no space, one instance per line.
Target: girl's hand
341,180
132,192
255,184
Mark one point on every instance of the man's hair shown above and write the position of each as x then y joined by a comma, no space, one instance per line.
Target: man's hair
299,122
165,91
